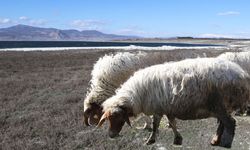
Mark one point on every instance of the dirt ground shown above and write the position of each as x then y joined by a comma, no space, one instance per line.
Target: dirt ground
41,106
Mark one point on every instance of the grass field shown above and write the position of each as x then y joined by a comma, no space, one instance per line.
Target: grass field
41,106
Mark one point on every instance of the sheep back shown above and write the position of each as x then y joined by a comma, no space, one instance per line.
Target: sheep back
182,87
241,58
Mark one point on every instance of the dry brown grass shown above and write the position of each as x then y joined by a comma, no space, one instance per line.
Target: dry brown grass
41,97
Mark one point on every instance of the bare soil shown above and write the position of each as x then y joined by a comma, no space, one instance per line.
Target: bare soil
41,106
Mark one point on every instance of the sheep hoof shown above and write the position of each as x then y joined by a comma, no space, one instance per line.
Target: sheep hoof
226,140
226,144
239,112
178,140
150,141
215,141
248,112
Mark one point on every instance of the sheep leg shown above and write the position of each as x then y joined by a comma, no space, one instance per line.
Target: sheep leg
177,135
217,137
248,110
228,123
228,133
156,123
229,127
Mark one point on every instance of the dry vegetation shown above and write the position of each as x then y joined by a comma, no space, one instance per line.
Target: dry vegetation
41,106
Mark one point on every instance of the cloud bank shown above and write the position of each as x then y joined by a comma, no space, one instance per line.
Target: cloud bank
240,35
23,18
5,20
88,24
228,13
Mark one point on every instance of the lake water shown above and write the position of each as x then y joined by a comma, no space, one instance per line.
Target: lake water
67,45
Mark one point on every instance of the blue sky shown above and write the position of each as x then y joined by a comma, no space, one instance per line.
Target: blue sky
149,18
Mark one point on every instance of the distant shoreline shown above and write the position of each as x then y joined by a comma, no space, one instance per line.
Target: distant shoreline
67,45
172,44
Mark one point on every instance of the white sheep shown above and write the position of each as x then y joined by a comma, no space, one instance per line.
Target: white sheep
189,89
108,74
242,59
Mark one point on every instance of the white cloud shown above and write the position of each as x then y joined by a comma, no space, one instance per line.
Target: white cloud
240,34
31,21
211,35
23,18
37,22
228,13
5,21
128,31
88,24
243,34
132,30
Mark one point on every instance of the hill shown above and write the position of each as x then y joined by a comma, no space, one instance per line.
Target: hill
29,33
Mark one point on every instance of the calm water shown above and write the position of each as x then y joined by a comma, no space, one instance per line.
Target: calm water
44,44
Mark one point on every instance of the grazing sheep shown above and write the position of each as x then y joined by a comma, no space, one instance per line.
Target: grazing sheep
242,59
189,89
108,74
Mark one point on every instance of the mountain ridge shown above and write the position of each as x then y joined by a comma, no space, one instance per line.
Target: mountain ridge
22,32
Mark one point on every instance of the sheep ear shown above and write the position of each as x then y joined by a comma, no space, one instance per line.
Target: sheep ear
126,116
86,117
103,118
127,120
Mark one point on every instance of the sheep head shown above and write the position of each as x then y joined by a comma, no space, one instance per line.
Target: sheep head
117,117
92,114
